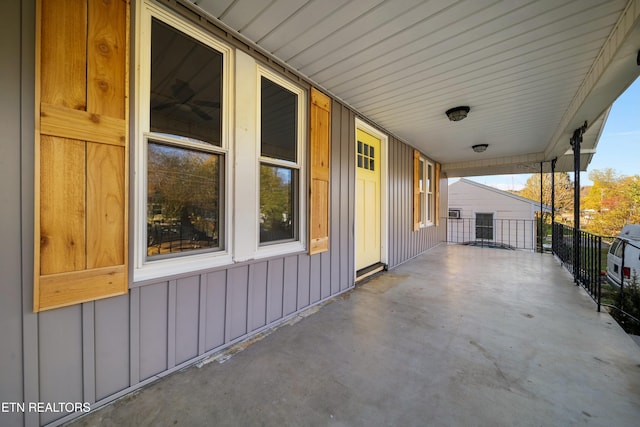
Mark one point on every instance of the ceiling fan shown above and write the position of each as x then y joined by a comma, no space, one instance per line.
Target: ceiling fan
183,95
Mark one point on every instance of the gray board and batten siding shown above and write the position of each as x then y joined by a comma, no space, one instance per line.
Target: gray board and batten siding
97,351
15,240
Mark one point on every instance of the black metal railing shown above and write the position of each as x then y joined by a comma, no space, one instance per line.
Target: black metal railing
495,233
581,253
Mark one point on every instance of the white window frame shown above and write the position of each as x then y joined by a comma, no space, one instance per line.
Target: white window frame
299,244
428,202
247,141
144,269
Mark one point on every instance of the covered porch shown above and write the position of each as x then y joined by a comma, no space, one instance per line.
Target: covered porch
456,336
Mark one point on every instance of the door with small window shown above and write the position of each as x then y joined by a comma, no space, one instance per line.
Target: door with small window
367,200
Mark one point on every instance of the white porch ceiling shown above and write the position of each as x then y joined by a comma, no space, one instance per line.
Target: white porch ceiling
532,71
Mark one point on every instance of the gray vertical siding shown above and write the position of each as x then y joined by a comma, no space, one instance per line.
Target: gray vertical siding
215,302
97,351
187,319
11,368
152,311
404,242
258,296
342,190
61,371
111,346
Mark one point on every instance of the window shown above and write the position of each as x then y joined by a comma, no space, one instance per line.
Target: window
426,171
366,156
279,216
184,163
183,200
193,169
454,213
619,248
484,226
182,147
614,246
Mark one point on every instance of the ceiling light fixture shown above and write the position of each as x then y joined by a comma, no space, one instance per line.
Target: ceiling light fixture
479,148
457,113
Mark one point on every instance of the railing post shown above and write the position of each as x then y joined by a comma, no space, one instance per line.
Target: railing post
553,205
624,247
599,279
541,209
575,141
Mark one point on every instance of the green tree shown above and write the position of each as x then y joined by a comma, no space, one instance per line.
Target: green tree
614,201
563,190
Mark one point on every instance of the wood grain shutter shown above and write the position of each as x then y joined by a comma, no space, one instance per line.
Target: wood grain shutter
81,151
436,195
320,152
416,190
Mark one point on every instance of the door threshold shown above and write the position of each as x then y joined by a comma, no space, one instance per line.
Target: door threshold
370,271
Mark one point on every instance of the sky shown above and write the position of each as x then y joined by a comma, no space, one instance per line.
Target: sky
618,147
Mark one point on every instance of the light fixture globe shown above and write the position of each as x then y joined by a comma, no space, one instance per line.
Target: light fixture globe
479,148
457,113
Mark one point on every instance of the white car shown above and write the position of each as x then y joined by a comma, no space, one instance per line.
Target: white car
627,243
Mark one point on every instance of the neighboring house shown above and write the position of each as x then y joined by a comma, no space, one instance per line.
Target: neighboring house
479,212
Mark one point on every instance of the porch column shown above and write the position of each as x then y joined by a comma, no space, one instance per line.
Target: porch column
553,190
553,206
540,230
575,142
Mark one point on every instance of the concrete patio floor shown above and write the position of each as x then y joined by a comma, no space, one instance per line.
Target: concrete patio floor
459,336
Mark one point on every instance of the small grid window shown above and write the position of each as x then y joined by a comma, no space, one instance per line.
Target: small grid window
366,156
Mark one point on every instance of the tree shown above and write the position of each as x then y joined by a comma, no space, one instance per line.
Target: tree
614,200
563,190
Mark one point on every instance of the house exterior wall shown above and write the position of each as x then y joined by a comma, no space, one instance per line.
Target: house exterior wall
97,351
513,218
11,372
471,199
406,243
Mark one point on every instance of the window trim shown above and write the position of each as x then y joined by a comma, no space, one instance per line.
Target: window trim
492,227
144,269
299,243
428,206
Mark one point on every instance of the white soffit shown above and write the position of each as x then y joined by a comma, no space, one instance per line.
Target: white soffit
531,71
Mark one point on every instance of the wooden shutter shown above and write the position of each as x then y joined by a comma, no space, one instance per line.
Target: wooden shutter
81,151
320,153
416,190
436,195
